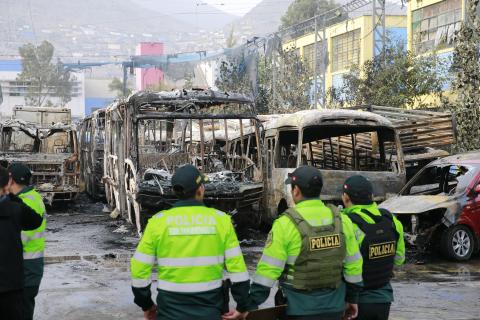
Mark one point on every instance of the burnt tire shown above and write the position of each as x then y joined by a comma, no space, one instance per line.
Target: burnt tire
458,243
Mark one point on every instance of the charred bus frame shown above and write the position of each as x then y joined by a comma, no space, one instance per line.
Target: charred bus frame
150,134
92,138
340,143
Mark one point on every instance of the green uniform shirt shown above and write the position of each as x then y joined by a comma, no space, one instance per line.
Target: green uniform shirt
33,241
384,294
193,247
281,250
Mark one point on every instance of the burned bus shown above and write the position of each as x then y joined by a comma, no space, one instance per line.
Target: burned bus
340,143
150,134
51,153
92,138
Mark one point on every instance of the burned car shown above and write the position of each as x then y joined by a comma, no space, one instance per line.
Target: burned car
149,135
51,153
440,206
92,138
340,143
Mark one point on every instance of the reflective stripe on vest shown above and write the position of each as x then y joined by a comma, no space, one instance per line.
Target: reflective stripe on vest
189,287
35,236
141,283
32,255
190,262
34,240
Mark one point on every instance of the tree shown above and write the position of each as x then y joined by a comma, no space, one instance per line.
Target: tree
44,78
231,40
301,10
117,86
401,80
466,66
277,85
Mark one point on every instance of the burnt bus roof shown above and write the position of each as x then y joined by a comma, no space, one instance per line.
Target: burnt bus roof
329,117
171,101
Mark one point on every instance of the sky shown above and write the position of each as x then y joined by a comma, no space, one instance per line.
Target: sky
236,7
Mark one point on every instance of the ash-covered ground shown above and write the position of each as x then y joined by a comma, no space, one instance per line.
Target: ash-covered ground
87,272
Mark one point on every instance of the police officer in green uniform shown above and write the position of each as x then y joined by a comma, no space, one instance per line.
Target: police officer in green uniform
380,237
33,241
192,245
312,251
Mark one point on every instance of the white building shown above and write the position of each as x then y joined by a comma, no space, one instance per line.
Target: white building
14,91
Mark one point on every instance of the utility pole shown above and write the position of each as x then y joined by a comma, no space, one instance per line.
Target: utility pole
378,25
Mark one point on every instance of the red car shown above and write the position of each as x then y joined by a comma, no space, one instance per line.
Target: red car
440,206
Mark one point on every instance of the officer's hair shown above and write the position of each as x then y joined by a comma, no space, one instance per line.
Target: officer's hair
311,192
3,177
182,195
360,200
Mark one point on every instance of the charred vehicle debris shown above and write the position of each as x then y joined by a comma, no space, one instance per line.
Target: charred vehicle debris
425,134
149,135
440,207
51,153
340,143
92,138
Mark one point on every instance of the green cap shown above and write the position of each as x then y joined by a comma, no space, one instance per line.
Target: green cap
187,179
20,173
359,189
305,177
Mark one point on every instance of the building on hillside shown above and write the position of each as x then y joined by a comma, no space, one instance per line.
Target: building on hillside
349,43
148,77
14,91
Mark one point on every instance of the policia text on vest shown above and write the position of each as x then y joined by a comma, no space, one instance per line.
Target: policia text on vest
191,245
313,252
380,237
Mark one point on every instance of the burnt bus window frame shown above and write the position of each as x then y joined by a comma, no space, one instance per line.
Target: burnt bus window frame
386,139
189,116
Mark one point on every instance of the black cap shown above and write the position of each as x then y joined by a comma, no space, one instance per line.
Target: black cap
187,179
359,189
20,173
305,177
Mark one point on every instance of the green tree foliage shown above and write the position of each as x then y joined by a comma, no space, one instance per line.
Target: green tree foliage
466,66
117,86
279,84
45,78
401,80
301,10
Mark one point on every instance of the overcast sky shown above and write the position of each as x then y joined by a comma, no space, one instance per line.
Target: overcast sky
236,7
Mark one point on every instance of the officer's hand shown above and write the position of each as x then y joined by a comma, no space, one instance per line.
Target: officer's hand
234,315
151,313
351,311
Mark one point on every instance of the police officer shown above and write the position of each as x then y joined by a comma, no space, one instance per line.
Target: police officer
33,241
380,237
192,244
14,216
310,249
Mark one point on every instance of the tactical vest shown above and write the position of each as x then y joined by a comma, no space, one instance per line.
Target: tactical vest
320,262
378,248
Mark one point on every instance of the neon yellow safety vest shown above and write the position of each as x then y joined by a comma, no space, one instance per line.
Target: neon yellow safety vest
192,246
34,241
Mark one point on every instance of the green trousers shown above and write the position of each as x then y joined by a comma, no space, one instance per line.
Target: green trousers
373,311
29,294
